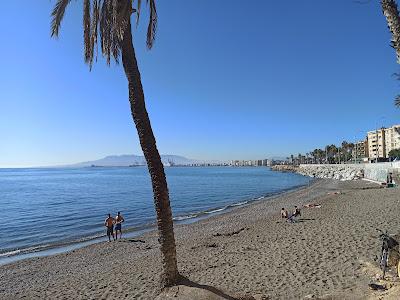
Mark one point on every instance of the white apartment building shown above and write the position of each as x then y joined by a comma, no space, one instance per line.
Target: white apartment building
376,143
382,141
392,138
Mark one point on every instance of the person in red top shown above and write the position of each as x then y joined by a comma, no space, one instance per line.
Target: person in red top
109,223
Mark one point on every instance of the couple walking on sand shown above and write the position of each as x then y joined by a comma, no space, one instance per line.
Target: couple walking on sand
110,222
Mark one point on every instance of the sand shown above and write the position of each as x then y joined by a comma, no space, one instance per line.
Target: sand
328,254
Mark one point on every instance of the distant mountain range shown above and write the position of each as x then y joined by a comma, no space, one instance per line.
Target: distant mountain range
134,160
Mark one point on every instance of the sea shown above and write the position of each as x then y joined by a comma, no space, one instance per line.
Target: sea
52,210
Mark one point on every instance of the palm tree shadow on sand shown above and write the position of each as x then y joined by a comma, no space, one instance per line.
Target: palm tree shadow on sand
188,288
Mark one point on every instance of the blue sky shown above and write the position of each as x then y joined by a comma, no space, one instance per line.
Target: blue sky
225,80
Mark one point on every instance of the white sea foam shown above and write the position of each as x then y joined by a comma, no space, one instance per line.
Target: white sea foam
215,210
10,253
180,218
239,203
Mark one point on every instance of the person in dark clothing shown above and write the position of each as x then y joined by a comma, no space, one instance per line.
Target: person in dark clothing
109,223
296,212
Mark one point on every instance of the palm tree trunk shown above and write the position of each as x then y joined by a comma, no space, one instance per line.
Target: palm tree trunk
153,159
389,8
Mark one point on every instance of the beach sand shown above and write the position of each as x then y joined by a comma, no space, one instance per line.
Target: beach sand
328,254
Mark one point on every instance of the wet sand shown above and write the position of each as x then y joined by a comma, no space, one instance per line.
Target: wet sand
329,253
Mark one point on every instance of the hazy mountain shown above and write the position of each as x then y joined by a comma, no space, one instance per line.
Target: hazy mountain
278,158
129,160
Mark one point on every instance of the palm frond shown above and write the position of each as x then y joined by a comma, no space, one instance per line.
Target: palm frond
94,31
397,101
106,20
139,3
57,16
396,75
389,8
114,31
86,32
152,27
105,31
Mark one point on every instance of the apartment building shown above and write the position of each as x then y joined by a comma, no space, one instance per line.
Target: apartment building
360,149
376,143
382,141
392,138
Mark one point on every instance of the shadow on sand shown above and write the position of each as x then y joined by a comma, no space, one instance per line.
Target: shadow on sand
187,282
301,220
304,220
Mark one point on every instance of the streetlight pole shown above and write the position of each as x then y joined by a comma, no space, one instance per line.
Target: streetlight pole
326,154
377,140
355,155
377,146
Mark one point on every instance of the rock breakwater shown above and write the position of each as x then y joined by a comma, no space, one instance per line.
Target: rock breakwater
285,168
339,172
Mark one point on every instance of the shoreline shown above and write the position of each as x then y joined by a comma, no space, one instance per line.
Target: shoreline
16,255
247,251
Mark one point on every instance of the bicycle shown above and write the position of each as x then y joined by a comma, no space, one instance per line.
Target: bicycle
388,243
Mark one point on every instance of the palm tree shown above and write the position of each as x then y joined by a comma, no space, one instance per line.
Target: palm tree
331,151
334,151
314,155
345,150
350,148
111,21
321,155
389,8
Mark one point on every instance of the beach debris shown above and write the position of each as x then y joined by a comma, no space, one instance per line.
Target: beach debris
247,297
312,205
261,297
372,187
206,245
136,241
377,287
247,248
335,193
230,233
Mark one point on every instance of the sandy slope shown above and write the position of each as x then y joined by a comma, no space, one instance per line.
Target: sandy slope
247,251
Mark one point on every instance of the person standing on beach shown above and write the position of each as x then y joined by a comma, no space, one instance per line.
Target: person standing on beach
389,178
109,223
284,213
296,211
119,219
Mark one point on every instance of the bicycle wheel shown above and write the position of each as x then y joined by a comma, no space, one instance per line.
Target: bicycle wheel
383,262
398,269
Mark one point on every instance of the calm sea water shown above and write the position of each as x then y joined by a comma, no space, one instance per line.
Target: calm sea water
53,207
